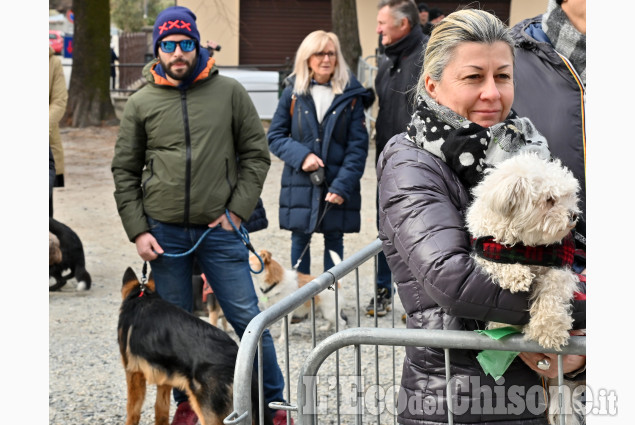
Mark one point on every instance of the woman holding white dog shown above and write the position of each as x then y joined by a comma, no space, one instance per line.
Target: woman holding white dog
463,123
318,131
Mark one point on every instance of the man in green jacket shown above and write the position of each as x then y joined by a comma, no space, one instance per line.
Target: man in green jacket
191,154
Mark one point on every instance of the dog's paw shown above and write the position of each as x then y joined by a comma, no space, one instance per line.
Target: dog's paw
326,327
520,286
547,337
82,286
516,278
513,277
554,341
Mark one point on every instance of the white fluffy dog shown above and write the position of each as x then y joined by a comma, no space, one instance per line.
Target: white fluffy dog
532,203
527,201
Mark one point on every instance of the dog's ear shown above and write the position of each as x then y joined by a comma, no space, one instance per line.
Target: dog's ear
129,276
266,256
508,193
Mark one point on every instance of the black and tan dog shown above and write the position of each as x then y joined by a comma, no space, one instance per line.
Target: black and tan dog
164,345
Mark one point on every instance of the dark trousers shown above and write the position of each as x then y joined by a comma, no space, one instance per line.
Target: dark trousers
384,275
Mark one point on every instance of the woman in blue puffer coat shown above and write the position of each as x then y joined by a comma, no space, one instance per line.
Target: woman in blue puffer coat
319,126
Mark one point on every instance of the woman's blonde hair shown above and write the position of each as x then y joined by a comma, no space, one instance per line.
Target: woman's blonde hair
314,43
458,27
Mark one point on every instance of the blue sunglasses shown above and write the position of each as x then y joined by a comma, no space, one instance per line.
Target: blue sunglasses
170,46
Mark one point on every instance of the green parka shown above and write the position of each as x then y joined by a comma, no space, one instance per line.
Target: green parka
177,152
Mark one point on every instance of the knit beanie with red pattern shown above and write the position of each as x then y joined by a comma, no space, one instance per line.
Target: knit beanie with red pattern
175,20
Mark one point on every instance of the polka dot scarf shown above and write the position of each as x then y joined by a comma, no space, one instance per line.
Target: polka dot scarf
467,147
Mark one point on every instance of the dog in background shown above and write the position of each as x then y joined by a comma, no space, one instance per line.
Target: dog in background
72,258
521,220
205,302
164,345
275,282
55,253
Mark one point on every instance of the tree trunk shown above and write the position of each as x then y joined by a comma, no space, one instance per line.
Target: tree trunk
344,19
89,102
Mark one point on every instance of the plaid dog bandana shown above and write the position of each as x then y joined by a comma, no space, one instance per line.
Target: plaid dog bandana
542,255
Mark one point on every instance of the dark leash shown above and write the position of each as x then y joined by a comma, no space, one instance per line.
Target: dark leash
326,208
144,278
242,233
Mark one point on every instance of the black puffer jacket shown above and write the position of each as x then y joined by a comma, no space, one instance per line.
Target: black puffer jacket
421,224
398,71
552,96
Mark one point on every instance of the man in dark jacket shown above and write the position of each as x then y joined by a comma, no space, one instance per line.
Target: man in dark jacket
434,17
399,67
550,83
177,181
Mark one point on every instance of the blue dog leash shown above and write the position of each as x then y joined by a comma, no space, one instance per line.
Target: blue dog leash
244,235
191,250
242,232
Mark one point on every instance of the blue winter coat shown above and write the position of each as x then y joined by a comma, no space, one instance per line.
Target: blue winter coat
341,141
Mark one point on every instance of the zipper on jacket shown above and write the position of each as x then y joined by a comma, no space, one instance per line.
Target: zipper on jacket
300,122
188,159
229,183
578,81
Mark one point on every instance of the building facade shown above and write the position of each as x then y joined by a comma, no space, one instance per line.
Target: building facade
267,32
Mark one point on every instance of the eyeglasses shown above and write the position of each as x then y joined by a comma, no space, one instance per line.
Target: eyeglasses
186,45
320,55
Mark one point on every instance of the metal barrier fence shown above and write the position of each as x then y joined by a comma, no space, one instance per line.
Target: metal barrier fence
446,339
355,337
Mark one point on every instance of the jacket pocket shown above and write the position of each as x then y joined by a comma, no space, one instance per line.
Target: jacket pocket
228,179
149,171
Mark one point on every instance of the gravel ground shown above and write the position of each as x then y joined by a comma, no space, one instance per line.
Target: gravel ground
86,379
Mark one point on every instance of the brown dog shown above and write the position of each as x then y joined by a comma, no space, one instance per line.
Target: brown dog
205,302
275,282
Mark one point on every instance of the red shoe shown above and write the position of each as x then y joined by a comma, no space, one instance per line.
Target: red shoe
280,418
184,415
